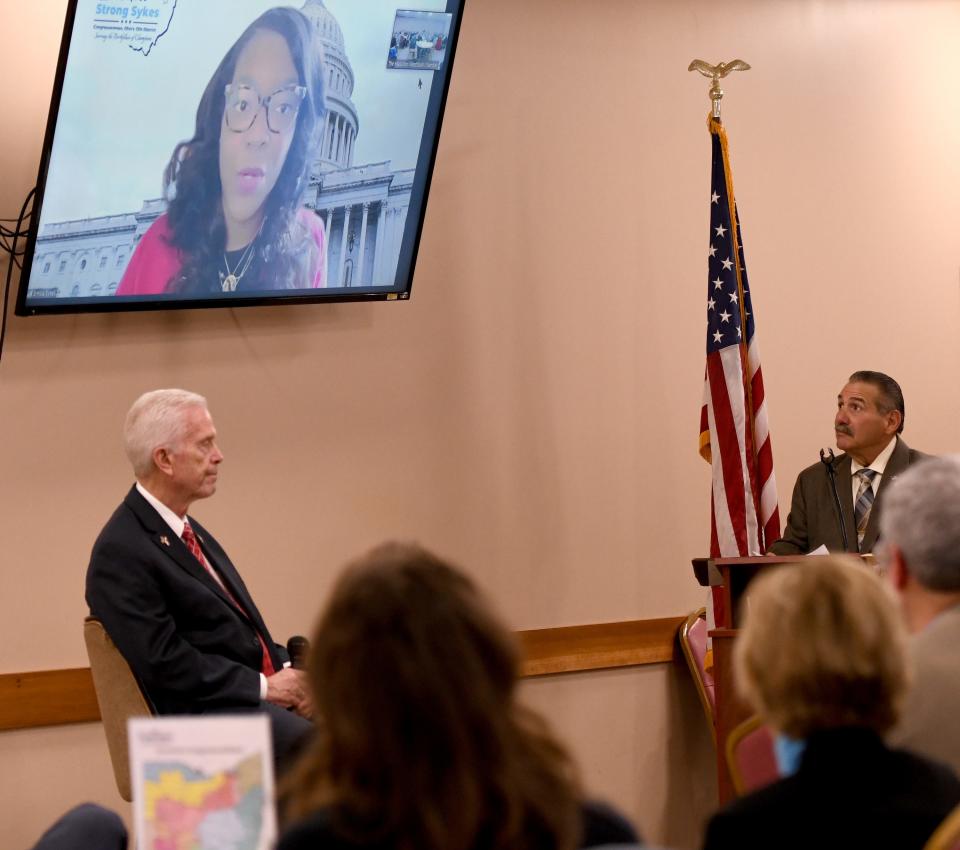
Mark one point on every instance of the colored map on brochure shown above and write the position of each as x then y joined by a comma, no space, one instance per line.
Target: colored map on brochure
202,783
189,808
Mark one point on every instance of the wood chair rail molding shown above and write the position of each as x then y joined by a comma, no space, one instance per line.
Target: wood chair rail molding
570,649
57,697
47,698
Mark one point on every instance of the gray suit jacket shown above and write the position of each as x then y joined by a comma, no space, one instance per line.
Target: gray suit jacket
813,517
929,723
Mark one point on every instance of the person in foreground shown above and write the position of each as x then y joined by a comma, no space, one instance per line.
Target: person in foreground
423,743
868,424
921,553
821,659
168,595
235,221
85,827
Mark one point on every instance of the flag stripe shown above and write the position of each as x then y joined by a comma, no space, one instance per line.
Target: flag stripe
723,527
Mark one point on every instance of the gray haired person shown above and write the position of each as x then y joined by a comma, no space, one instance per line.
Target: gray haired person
920,533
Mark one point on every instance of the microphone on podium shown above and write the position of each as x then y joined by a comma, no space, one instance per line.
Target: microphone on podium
827,458
297,648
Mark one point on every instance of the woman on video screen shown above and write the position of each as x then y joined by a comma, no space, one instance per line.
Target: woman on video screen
234,220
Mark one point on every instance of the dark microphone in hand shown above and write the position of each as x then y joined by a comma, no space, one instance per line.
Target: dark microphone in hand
827,458
297,648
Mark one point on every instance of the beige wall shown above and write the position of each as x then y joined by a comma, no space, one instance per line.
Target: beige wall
532,412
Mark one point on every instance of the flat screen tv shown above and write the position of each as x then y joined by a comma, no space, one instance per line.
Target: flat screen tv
206,153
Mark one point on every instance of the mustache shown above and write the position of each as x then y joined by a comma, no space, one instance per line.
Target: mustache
843,429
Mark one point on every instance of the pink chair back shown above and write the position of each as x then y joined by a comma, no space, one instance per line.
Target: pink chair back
750,756
693,641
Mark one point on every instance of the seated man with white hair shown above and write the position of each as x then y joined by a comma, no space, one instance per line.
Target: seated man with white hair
920,533
167,593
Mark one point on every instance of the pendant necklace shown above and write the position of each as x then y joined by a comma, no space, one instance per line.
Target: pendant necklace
230,281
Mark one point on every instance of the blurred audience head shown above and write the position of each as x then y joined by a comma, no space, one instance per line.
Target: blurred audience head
422,742
920,537
822,646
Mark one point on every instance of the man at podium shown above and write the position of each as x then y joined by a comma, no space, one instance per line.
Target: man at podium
868,424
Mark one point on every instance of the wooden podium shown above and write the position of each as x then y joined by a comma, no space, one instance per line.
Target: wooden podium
732,575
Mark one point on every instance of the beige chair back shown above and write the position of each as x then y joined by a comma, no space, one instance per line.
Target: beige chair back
947,836
118,695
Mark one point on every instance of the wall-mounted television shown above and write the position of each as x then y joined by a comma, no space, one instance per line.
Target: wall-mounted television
208,153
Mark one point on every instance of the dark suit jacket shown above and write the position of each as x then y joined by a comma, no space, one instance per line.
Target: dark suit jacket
813,513
850,791
187,643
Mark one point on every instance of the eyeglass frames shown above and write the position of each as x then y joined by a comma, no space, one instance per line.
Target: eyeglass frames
243,105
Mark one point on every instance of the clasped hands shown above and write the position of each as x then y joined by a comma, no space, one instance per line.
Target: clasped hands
289,688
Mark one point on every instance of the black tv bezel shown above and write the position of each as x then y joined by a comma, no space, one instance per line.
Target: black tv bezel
426,162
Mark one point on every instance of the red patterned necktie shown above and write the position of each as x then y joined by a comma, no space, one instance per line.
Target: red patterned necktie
190,540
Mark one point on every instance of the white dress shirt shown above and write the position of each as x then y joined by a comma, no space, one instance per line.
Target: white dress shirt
879,465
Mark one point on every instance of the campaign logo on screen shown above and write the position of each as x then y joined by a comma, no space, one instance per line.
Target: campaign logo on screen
139,25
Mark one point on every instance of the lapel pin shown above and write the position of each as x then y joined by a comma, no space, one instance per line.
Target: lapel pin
164,540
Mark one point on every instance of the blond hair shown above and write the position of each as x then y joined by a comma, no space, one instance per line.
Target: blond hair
822,646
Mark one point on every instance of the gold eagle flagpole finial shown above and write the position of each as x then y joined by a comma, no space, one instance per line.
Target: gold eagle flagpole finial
717,73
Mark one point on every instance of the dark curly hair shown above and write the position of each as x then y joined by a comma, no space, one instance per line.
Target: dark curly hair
191,180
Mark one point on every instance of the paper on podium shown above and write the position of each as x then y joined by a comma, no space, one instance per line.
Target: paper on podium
202,782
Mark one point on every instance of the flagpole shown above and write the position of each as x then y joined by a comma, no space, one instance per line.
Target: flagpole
717,127
749,475
716,73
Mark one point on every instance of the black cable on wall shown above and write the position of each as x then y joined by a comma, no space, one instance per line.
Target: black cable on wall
8,244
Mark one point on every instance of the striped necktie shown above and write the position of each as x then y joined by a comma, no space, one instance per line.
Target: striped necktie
864,502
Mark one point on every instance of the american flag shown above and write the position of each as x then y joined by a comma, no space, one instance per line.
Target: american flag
734,437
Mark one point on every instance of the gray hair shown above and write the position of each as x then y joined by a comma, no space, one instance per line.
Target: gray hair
921,517
155,420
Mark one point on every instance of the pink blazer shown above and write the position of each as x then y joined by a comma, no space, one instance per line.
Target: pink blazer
155,262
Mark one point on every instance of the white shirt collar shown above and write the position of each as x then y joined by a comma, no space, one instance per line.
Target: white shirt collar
879,462
175,522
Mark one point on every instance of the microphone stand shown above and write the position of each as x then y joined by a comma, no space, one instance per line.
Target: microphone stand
827,458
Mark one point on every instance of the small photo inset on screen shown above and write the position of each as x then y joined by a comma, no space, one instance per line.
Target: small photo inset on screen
419,40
